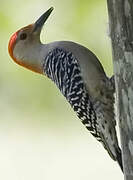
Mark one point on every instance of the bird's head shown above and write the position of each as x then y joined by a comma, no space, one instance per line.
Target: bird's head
24,45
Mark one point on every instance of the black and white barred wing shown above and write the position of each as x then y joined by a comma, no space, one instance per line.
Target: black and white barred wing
63,68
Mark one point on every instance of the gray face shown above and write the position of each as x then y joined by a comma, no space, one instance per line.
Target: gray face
26,36
27,48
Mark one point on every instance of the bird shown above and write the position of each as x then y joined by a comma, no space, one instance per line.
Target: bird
78,74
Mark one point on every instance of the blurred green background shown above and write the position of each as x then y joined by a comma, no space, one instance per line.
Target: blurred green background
40,135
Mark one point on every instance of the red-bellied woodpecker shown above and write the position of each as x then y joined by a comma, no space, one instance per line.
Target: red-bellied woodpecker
78,74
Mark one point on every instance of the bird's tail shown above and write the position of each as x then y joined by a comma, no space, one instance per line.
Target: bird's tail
114,151
119,158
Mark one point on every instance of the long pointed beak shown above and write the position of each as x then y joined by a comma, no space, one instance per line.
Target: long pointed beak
40,22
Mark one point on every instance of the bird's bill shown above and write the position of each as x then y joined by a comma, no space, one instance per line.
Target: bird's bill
40,22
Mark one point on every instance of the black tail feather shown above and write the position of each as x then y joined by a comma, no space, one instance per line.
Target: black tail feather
119,158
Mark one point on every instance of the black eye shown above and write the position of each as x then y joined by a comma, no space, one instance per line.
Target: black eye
23,36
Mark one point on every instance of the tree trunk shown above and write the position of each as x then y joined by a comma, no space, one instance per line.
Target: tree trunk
121,32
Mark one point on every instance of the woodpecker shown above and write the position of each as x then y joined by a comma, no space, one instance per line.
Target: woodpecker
78,74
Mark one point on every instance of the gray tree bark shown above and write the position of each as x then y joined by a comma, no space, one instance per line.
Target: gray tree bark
121,32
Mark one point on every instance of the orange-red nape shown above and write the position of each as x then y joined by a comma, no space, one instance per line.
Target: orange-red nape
11,45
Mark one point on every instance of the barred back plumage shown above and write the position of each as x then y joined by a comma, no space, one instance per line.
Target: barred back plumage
63,69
